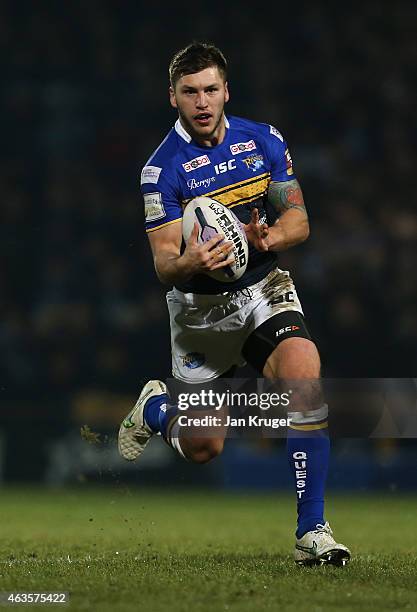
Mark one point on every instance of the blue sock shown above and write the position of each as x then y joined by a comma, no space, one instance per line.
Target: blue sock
158,413
308,455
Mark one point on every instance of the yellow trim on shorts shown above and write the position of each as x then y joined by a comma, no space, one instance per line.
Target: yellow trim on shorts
309,427
152,229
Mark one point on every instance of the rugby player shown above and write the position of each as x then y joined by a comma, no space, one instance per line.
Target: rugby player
259,319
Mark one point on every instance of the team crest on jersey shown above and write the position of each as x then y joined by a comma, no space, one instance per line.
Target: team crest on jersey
288,161
240,147
253,162
195,163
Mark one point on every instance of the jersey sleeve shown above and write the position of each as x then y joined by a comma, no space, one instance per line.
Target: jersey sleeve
161,199
280,157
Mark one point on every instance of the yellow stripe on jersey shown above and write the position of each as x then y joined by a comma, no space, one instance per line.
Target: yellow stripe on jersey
152,229
311,427
241,192
246,201
251,182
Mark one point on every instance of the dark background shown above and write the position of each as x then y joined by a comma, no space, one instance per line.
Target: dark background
84,102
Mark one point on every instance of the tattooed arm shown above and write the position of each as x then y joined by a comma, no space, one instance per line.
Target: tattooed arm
292,226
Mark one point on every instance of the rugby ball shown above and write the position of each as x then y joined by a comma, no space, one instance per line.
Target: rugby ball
214,218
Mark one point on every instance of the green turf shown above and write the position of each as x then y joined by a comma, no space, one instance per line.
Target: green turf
116,549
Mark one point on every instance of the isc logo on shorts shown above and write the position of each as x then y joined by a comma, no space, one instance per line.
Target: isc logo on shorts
195,163
288,328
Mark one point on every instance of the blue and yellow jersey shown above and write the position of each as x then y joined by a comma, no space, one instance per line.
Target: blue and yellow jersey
236,173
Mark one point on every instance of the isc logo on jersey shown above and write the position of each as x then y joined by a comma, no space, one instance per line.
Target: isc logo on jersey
240,147
225,166
195,163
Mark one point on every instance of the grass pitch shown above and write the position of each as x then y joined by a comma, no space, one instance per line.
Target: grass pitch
116,549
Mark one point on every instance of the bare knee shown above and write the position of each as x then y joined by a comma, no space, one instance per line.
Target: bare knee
293,358
202,450
297,361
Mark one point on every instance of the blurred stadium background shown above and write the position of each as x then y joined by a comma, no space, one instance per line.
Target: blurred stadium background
83,318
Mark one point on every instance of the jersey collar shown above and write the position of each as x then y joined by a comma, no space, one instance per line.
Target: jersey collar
180,130
185,135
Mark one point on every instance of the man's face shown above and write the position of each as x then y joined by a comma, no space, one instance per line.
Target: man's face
200,100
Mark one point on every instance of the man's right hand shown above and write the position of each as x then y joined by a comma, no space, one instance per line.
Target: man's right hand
211,255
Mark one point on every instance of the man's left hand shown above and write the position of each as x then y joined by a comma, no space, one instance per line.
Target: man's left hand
256,232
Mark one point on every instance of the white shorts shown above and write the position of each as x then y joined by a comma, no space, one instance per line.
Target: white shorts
208,332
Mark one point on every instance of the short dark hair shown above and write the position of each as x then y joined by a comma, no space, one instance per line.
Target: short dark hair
196,57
